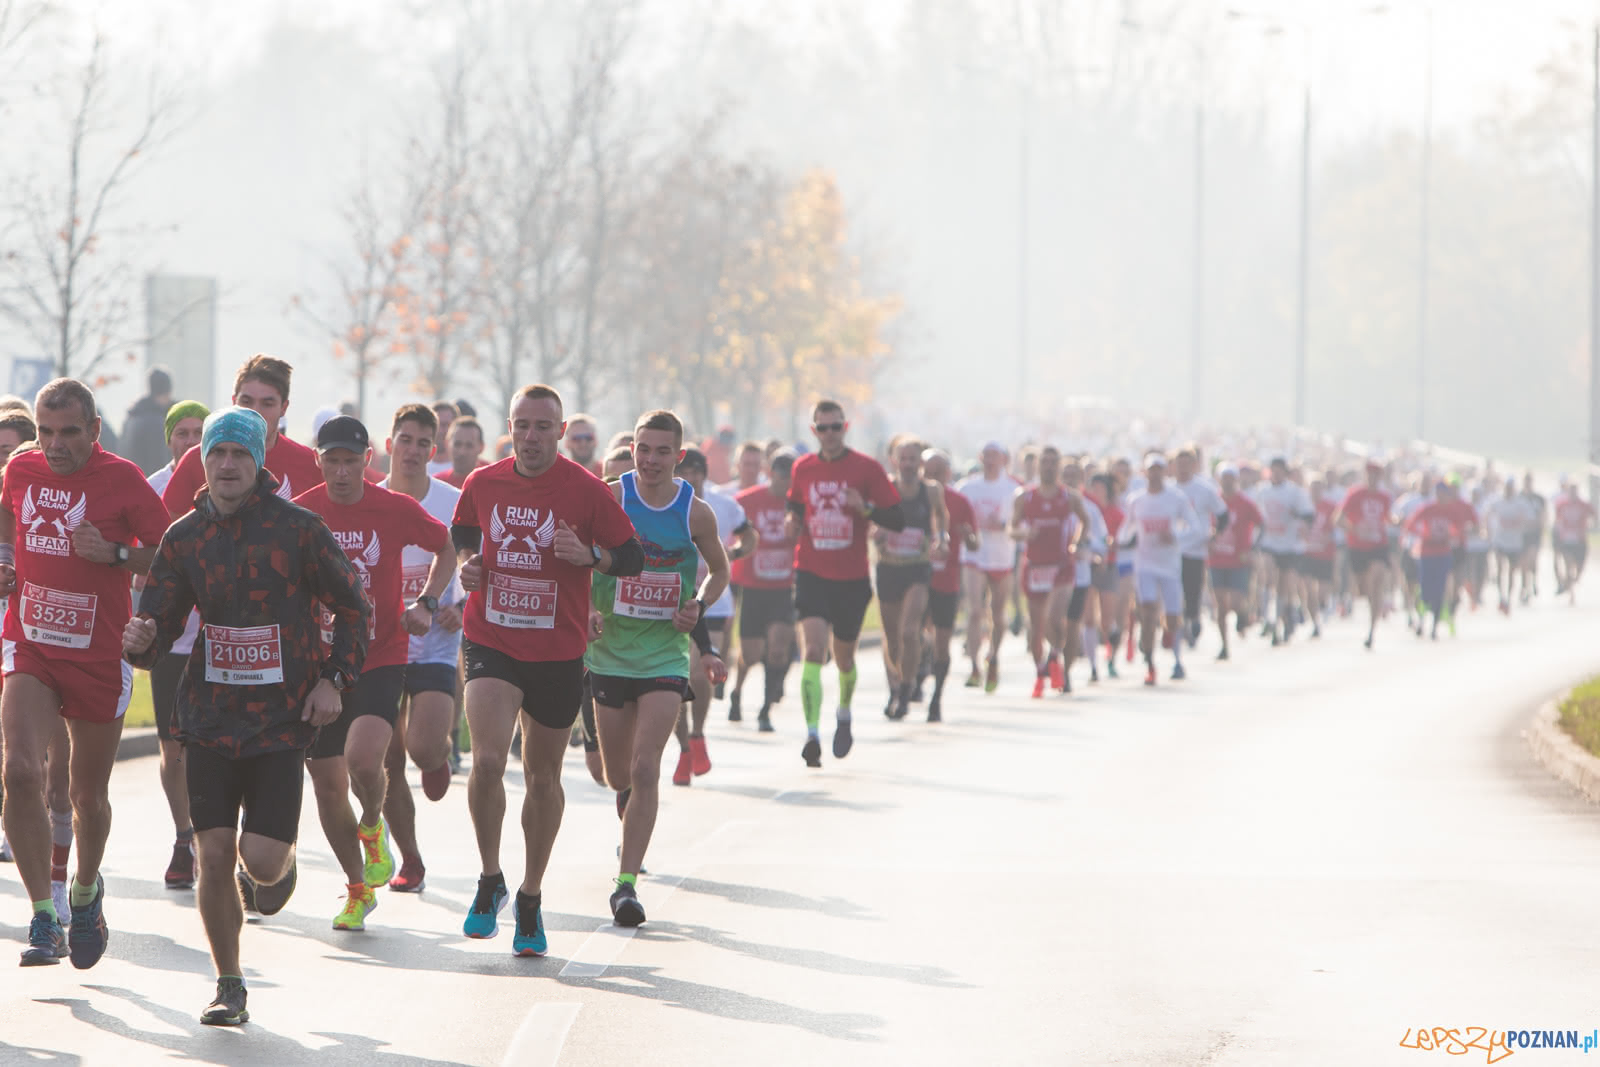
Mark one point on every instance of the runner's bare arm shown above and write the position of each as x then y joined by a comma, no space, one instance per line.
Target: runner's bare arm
1018,526
703,529
940,519
88,543
747,539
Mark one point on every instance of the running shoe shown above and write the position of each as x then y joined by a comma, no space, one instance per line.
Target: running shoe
180,872
89,935
436,783
47,941
411,878
379,860
701,758
1222,657
889,707
1058,677
5,850
625,907
1178,674
483,920
270,899
1038,686
734,715
1111,667
1130,646
685,772
764,722
934,711
991,680
1150,675
812,752
357,906
842,739
974,679
529,939
227,1008
1094,674
58,897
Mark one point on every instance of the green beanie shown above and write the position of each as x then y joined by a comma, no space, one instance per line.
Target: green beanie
184,409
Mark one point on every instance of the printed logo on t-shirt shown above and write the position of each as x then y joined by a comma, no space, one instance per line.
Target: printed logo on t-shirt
51,536
509,544
830,525
284,489
363,553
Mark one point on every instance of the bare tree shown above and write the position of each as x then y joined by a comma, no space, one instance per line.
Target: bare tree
65,283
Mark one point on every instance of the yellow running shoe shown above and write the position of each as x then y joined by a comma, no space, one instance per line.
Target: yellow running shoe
357,907
380,861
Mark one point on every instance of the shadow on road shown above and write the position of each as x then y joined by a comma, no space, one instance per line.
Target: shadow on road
765,897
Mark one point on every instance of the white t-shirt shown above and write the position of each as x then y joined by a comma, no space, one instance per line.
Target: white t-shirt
1284,509
1207,504
191,629
991,499
1511,520
730,519
435,646
1149,516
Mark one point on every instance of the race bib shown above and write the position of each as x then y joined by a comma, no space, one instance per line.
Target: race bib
1041,579
243,655
773,564
412,581
54,617
831,530
648,595
907,542
520,603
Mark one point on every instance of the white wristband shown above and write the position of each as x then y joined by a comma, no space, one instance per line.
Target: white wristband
8,555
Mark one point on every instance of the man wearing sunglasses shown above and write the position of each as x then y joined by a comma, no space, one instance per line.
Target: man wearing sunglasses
833,493
583,441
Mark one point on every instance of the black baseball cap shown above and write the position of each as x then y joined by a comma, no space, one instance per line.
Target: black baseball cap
343,431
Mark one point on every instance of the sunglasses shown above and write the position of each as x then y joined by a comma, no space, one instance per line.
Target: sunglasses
828,427
580,437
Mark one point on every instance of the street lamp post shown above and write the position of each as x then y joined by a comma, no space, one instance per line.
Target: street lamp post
1594,280
1422,234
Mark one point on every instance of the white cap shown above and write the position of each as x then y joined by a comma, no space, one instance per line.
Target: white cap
996,446
1155,459
322,415
1227,469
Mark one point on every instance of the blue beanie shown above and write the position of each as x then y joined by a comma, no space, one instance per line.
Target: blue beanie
239,426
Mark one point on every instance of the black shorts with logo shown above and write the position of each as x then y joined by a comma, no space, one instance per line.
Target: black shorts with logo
842,604
613,691
268,787
377,692
552,690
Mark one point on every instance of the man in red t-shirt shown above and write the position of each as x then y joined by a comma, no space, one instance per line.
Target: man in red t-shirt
374,526
833,494
548,523
1322,550
1231,553
766,612
1441,526
1364,516
944,589
262,385
466,450
70,513
1569,536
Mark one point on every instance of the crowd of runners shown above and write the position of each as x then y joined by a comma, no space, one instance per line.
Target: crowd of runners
357,605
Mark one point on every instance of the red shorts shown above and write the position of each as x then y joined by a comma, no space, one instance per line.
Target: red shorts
89,692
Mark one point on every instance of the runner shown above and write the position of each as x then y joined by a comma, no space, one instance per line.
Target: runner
1284,507
1038,514
1213,513
905,569
1320,538
1083,540
549,522
733,525
583,442
944,588
184,423
259,683
832,494
1158,518
373,525
749,468
1364,515
988,570
446,412
262,385
766,614
1110,599
1230,558
1439,527
466,449
638,657
1569,538
1511,519
69,514
1530,558
427,716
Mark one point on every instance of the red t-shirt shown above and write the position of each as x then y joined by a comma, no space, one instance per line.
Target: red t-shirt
531,605
1440,524
75,608
771,565
1229,546
293,464
372,474
1367,513
1319,535
450,477
833,541
1045,516
1572,519
374,533
962,520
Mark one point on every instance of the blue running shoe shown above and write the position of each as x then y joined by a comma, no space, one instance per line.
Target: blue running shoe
483,920
529,939
89,933
1178,674
47,941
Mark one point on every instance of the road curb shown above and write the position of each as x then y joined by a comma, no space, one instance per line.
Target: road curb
141,741
1560,754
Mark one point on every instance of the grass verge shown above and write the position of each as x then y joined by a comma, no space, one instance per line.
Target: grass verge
141,709
1580,715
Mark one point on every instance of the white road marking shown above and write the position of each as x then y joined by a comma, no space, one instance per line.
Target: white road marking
542,1034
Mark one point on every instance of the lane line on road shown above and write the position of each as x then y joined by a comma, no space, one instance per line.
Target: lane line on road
542,1034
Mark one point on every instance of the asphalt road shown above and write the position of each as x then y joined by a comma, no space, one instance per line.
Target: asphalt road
1295,858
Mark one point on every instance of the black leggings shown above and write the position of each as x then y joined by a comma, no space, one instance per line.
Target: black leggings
1194,583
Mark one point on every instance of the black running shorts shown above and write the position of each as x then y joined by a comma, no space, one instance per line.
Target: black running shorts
942,608
377,692
763,609
896,579
841,604
552,690
431,678
613,691
267,787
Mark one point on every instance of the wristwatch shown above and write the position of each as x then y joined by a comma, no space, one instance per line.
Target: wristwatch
427,603
340,680
122,553
595,549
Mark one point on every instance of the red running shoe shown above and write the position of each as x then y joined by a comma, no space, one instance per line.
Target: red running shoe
700,759
1150,675
436,783
410,878
1038,687
685,772
1057,678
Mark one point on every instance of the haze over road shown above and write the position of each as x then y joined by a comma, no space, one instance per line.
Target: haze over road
1289,859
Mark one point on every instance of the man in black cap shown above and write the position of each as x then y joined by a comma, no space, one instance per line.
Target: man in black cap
144,435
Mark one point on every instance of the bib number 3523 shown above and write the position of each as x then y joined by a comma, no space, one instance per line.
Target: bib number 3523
56,617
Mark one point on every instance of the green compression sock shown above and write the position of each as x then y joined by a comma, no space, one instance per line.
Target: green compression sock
811,694
847,688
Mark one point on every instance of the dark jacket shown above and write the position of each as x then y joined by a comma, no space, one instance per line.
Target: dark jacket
269,563
144,436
